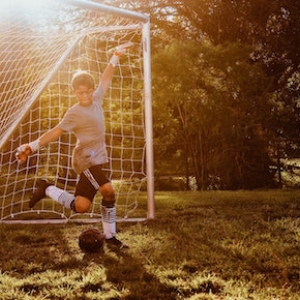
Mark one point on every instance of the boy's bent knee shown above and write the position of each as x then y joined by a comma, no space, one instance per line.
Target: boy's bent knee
107,192
81,204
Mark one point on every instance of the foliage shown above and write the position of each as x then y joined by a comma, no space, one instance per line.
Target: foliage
272,29
254,58
210,112
202,245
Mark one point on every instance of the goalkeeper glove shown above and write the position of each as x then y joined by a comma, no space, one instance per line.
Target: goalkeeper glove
25,150
120,50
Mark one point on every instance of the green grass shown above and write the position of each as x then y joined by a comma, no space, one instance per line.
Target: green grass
202,245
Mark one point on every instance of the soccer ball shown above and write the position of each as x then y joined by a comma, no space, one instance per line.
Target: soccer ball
91,240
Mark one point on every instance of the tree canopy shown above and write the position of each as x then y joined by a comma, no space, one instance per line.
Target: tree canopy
225,88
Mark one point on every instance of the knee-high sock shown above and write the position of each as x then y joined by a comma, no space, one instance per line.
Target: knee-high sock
60,196
108,213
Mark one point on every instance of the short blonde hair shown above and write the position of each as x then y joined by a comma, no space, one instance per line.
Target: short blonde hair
82,78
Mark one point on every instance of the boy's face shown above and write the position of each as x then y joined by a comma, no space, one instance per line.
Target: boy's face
84,95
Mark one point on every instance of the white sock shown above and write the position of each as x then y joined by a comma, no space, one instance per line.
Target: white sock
59,195
108,221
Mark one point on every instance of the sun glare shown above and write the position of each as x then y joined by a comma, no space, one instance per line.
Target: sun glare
36,12
28,6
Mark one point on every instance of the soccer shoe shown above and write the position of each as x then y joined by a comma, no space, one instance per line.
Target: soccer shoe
114,243
39,193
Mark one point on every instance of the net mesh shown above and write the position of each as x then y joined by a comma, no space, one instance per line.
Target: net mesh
41,48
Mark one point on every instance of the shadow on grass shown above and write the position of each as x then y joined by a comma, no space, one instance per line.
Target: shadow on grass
45,252
28,249
127,273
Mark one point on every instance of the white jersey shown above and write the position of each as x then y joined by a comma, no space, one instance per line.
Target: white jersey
87,123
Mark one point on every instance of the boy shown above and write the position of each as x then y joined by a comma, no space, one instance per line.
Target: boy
86,120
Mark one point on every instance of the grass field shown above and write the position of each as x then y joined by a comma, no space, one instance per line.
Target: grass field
202,245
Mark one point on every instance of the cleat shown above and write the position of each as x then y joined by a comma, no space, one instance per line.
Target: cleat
115,243
39,193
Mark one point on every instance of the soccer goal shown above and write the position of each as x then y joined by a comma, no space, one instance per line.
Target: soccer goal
42,45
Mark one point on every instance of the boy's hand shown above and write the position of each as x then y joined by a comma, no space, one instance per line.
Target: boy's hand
120,50
23,152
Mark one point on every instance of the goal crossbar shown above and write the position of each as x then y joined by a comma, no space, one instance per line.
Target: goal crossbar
110,10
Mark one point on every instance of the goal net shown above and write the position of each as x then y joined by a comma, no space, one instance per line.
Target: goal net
41,47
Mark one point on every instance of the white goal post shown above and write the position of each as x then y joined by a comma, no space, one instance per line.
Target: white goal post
41,47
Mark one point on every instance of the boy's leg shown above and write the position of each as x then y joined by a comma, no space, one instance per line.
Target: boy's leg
100,182
108,214
45,188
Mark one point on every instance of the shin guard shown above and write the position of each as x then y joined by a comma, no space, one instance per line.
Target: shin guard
108,213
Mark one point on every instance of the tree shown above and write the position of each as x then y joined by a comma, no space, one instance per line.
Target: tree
209,112
272,28
244,61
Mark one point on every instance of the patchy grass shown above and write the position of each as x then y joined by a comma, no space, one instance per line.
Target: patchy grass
202,245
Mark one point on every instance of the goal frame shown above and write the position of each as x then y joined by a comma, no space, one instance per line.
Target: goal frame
146,49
